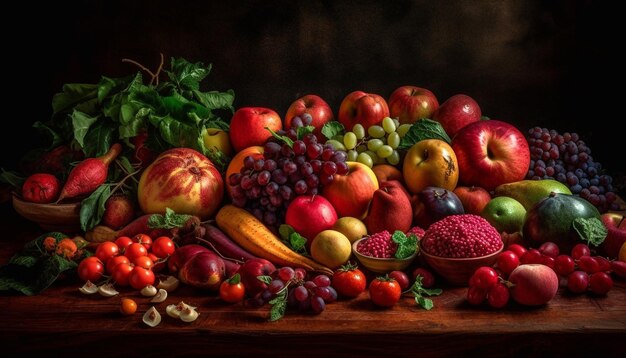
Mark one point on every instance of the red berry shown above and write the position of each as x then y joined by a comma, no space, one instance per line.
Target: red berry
518,249
578,281
498,295
588,264
532,256
549,249
605,264
484,277
580,250
507,261
475,295
600,283
564,265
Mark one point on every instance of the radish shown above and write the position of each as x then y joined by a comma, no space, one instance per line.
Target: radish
89,174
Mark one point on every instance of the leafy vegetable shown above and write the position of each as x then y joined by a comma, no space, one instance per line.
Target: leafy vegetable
168,221
92,207
591,230
331,129
292,239
423,129
418,293
34,268
407,245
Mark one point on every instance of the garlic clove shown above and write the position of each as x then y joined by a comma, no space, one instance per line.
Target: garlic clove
107,290
88,288
148,291
188,314
152,317
160,296
169,284
173,311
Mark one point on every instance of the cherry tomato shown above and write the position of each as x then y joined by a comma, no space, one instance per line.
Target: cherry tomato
163,246
140,277
232,290
106,250
143,239
385,291
402,278
144,261
349,281
135,250
122,242
114,261
121,273
128,306
91,269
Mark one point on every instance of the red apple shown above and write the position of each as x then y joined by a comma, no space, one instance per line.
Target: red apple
457,112
473,198
309,215
490,153
204,270
41,188
314,105
183,180
533,284
410,103
247,126
351,194
367,109
250,270
182,254
616,225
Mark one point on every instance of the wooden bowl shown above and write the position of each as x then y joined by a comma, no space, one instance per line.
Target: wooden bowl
458,271
64,218
381,265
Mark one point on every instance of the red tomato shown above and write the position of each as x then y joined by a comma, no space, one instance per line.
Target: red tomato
135,250
91,269
144,261
123,242
143,239
349,281
114,261
385,291
121,273
140,277
232,290
106,250
163,246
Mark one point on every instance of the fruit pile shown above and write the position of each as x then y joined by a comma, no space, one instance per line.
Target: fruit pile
264,210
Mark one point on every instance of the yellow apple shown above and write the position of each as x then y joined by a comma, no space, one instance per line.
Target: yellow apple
430,162
351,194
218,139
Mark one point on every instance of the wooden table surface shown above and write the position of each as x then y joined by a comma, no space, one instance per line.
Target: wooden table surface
61,319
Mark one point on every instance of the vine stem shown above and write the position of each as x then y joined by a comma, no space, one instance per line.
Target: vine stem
154,75
121,182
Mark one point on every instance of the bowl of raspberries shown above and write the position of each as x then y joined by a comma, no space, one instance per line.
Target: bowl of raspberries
457,245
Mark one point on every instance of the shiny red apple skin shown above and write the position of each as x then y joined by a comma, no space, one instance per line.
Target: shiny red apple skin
457,112
616,226
473,198
490,153
247,126
367,109
309,215
316,106
410,103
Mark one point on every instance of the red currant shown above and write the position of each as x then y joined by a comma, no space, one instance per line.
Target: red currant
518,249
578,281
484,277
549,249
580,250
600,283
564,265
532,256
507,261
498,295
588,264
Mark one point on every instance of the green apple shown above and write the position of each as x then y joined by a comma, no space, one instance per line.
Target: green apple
505,214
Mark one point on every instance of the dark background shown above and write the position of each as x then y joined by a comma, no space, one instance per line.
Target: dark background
546,63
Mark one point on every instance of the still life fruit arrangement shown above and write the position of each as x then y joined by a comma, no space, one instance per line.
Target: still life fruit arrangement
391,197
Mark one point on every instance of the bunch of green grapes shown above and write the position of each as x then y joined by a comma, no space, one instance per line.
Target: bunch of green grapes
377,145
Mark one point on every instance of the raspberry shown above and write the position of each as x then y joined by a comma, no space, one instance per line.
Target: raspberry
378,245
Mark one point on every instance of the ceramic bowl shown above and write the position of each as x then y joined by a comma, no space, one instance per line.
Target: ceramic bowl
458,271
381,265
51,217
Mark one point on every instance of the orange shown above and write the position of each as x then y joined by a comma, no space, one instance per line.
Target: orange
622,253
236,163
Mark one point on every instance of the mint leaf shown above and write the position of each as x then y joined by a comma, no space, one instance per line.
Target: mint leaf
426,303
92,207
590,230
168,221
282,138
418,293
407,245
423,129
302,131
331,129
265,279
292,239
279,305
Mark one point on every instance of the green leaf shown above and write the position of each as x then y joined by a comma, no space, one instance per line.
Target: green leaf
72,94
24,260
426,303
292,239
92,207
168,221
216,100
187,75
279,305
282,138
431,291
217,123
12,178
302,131
265,279
56,138
99,138
407,245
591,230
81,123
423,129
331,129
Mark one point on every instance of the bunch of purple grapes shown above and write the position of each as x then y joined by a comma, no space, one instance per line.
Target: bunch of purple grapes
566,158
303,294
297,166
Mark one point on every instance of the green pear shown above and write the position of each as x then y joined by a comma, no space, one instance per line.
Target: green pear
505,214
529,192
